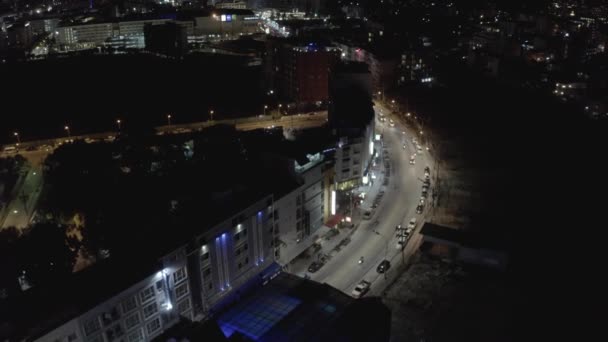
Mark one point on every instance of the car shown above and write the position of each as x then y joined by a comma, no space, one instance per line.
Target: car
419,209
425,193
425,187
419,150
383,266
392,123
427,169
361,289
398,227
314,267
412,161
367,215
404,146
421,200
402,241
412,223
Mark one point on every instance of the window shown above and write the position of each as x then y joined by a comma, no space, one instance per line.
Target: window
153,326
150,310
276,214
136,336
210,286
132,320
240,265
181,290
207,272
129,304
298,213
159,285
246,260
146,294
91,326
179,275
184,305
205,257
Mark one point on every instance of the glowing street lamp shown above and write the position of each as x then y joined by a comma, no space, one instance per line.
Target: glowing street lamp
67,129
168,119
211,112
16,134
118,123
265,107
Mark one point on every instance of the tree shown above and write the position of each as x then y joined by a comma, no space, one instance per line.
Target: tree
44,253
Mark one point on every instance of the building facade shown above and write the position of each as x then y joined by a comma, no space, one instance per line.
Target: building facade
301,71
302,212
191,281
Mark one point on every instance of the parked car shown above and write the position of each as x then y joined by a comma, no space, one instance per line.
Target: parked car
361,289
367,215
402,241
427,169
314,267
383,266
419,209
412,223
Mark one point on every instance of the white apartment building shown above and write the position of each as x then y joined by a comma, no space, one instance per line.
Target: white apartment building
190,281
352,158
300,213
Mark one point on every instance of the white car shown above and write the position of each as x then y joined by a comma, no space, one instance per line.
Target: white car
412,223
402,241
413,160
361,289
392,123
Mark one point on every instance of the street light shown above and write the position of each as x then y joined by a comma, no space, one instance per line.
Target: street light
168,119
118,123
67,129
265,107
16,134
211,112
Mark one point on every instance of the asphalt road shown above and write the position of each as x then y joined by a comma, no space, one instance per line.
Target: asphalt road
398,206
21,208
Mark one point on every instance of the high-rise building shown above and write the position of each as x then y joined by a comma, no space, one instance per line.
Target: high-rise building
301,71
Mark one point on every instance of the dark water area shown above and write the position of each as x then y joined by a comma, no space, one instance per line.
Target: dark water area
89,93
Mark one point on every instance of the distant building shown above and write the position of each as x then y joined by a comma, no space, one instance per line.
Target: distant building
231,4
200,26
382,66
351,118
301,71
169,39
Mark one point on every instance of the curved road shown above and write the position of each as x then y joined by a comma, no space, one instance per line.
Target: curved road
397,207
